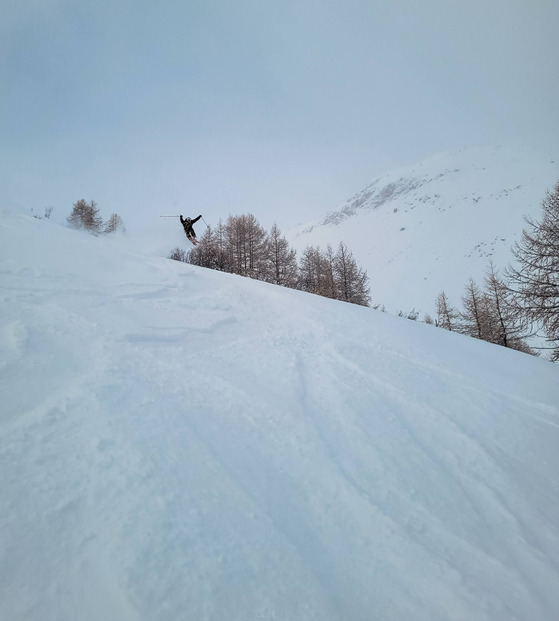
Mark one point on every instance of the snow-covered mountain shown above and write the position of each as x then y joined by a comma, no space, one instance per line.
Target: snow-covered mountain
429,227
177,443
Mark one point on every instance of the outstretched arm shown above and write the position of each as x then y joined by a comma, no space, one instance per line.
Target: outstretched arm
196,219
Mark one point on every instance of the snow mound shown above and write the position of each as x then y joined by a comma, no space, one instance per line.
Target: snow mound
177,443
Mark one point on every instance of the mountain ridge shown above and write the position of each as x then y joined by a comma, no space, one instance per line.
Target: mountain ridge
430,226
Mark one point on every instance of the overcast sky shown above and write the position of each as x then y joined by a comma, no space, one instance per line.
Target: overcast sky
283,109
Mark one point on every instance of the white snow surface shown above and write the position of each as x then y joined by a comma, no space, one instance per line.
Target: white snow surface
177,443
432,226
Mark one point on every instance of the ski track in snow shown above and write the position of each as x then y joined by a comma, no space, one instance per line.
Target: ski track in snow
183,444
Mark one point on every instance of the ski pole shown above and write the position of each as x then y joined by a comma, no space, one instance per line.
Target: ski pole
169,216
205,222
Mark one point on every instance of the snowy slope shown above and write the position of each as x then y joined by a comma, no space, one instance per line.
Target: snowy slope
177,443
429,227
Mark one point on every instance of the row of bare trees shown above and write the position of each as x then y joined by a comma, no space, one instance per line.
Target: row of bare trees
333,275
87,216
510,309
242,246
489,313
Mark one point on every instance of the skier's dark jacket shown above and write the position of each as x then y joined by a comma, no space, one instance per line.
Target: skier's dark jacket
187,225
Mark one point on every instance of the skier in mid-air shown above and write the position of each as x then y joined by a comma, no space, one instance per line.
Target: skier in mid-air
189,229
